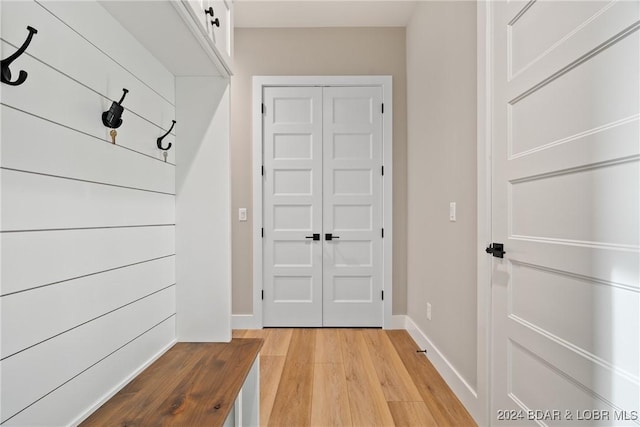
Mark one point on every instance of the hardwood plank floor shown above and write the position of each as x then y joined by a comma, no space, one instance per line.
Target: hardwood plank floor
328,346
366,399
350,377
330,400
292,405
270,373
442,403
278,342
395,381
409,414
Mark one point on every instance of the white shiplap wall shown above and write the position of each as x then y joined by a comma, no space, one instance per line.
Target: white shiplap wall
87,292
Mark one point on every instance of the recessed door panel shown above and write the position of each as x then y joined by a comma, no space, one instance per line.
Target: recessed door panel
293,289
352,289
353,146
292,146
352,182
289,109
352,217
292,182
345,254
292,254
293,217
350,109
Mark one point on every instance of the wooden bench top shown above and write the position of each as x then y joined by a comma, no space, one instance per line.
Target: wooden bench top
192,384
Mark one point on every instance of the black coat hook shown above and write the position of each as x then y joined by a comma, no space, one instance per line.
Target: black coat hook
4,64
159,140
111,118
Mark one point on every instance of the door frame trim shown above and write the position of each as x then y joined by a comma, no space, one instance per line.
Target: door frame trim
484,70
385,82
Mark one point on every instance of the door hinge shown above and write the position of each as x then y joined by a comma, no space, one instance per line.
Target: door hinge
383,108
262,293
264,109
382,170
262,170
382,295
383,233
262,232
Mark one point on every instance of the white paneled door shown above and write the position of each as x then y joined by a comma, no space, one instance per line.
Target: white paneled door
292,144
322,206
566,295
352,145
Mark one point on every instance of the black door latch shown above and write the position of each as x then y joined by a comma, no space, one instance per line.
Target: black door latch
496,249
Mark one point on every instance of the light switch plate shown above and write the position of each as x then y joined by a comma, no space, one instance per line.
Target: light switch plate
452,211
242,214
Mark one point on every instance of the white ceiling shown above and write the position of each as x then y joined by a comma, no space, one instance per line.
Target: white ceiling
322,13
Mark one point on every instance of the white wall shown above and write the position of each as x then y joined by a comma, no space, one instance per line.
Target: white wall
441,105
87,236
203,220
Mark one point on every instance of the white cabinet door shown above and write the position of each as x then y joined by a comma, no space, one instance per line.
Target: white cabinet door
566,197
322,160
352,145
197,10
220,26
292,126
214,19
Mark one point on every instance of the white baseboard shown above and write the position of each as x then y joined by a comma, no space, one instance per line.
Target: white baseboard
248,321
399,321
245,321
462,389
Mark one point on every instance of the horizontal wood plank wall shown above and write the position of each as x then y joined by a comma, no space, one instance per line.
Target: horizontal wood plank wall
87,291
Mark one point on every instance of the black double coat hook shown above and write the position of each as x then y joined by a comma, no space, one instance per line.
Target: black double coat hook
112,118
5,63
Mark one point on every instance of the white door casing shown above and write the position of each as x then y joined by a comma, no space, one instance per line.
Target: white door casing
352,136
360,276
565,203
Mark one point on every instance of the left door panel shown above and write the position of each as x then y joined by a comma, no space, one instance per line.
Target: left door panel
292,132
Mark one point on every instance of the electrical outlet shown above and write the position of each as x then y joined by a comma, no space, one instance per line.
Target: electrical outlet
428,311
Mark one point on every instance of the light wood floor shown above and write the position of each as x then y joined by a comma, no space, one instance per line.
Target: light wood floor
350,377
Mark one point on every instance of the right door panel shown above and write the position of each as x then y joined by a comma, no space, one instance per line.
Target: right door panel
352,201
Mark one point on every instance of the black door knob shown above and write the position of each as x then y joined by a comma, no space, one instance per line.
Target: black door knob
496,249
315,236
329,236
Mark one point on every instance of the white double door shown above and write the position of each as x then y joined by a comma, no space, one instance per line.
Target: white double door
322,189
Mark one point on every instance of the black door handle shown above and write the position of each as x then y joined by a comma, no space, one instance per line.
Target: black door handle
315,236
496,249
329,236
